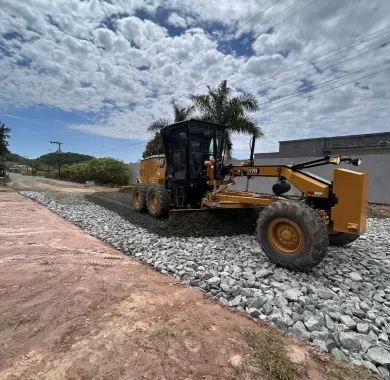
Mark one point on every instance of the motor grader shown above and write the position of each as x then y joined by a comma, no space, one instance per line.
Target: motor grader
294,231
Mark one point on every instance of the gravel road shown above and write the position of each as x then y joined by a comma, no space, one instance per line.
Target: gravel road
342,306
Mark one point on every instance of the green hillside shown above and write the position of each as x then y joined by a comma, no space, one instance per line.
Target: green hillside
13,157
67,158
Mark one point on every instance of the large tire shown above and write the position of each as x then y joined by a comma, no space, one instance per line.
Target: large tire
157,201
139,197
292,234
341,238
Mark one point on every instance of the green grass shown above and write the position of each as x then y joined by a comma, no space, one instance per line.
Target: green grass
268,353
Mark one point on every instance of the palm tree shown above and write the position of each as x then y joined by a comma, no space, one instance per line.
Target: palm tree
180,113
4,136
220,106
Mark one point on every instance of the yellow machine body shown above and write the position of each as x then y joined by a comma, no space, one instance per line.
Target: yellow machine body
152,170
350,211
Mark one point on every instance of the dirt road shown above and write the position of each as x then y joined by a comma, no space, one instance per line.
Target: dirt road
25,182
73,307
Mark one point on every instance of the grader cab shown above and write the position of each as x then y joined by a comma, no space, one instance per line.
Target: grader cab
293,231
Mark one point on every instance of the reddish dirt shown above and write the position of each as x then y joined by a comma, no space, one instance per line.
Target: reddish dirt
73,307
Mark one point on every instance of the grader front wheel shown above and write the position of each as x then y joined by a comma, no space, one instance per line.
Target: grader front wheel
157,201
139,197
292,234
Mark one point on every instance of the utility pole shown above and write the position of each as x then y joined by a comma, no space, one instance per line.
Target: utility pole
59,143
26,158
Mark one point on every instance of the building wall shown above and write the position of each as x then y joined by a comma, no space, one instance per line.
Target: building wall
372,143
133,172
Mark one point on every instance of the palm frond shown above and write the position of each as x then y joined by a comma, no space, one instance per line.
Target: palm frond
245,124
248,102
158,125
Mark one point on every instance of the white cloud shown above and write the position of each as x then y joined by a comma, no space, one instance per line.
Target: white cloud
175,20
62,54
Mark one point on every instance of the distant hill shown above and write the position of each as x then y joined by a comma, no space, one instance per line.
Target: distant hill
13,157
66,158
50,158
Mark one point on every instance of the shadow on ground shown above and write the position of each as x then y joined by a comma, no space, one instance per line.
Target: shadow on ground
209,223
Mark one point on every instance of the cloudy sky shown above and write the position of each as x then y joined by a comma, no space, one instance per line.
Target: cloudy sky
95,73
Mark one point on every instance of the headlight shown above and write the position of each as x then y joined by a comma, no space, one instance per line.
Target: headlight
335,160
356,162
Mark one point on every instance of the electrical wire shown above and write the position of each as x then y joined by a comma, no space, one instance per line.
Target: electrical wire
379,45
262,11
319,85
329,89
291,14
369,37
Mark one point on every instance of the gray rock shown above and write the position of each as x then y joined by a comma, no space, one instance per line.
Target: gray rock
214,281
312,324
350,341
280,301
299,330
320,335
379,356
384,372
338,354
262,273
355,276
258,302
268,307
348,321
254,312
329,322
292,294
370,366
325,294
321,344
363,328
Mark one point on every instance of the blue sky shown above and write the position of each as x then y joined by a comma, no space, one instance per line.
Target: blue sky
94,74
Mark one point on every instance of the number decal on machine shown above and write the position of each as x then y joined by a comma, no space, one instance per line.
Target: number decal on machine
252,171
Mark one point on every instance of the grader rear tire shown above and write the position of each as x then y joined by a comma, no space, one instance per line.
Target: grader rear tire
292,234
342,238
157,201
139,197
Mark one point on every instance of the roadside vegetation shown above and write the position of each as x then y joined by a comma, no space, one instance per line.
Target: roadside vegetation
75,167
100,170
4,136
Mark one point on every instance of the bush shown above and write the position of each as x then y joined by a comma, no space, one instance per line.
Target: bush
101,170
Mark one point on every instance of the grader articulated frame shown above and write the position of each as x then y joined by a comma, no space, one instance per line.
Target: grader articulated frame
293,231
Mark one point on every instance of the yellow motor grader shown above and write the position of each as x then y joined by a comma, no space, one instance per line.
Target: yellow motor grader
293,231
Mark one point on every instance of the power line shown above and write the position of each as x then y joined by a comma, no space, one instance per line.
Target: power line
379,45
341,49
320,85
263,11
330,89
291,14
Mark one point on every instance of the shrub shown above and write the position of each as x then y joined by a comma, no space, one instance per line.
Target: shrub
101,170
